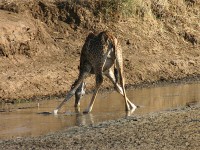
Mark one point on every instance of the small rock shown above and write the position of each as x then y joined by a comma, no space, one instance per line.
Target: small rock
173,62
191,62
126,59
128,42
187,143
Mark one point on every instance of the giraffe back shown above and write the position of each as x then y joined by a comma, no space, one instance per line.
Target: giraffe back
96,47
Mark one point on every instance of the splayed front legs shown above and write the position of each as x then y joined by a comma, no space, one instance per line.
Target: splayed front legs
75,86
68,96
128,104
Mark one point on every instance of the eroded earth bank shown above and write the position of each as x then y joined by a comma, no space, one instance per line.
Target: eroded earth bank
40,42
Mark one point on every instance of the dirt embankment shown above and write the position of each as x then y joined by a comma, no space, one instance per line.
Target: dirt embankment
41,40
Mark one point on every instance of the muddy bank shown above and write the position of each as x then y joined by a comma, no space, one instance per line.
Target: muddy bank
41,40
173,129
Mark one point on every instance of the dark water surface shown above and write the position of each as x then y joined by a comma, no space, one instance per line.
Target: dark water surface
27,119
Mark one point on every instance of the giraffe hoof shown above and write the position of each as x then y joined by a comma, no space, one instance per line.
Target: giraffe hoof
76,105
55,112
130,112
133,107
86,111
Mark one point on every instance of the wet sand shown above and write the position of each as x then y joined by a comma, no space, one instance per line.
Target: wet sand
172,129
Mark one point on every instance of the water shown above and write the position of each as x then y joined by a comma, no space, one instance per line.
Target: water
27,119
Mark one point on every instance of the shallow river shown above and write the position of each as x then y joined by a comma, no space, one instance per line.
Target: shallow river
27,119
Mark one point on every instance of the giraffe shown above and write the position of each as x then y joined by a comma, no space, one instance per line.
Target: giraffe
98,56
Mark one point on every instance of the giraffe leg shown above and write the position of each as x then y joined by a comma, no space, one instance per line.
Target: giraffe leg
69,94
118,88
79,93
76,84
99,81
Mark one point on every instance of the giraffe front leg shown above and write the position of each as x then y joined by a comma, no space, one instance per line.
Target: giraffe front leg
68,96
79,93
119,89
89,109
131,105
99,81
76,84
